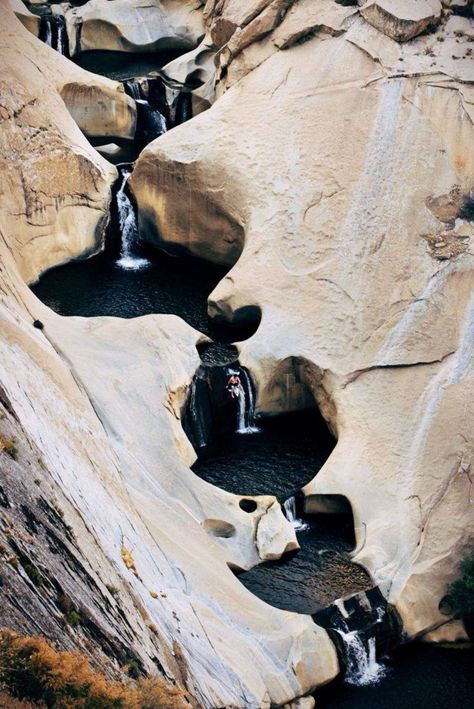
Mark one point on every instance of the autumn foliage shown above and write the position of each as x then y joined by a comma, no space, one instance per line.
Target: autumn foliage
31,670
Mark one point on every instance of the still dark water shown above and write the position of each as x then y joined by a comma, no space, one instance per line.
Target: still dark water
97,286
123,65
418,677
280,458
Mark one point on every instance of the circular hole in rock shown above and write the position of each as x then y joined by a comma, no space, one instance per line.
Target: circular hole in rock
247,505
245,323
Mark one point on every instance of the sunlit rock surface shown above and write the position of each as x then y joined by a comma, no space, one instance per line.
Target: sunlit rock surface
342,169
136,25
94,406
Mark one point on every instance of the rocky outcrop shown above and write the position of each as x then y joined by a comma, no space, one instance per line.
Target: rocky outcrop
350,203
27,18
402,19
104,456
135,25
55,216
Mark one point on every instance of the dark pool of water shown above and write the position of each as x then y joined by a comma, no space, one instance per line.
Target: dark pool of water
418,677
283,456
97,286
319,573
124,65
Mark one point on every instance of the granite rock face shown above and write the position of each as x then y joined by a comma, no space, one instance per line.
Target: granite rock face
102,469
337,175
402,19
136,25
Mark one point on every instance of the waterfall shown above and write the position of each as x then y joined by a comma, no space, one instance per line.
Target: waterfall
362,626
289,509
362,666
133,89
151,123
128,227
53,33
184,108
243,393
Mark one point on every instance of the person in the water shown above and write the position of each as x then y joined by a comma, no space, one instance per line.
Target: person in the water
234,386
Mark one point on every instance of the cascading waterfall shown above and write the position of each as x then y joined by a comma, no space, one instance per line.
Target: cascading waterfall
132,88
245,401
362,625
362,666
128,228
53,33
151,123
289,509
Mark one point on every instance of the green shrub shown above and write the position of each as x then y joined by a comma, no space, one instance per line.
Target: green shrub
461,591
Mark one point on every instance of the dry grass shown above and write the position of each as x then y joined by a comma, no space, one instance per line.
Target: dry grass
8,445
31,670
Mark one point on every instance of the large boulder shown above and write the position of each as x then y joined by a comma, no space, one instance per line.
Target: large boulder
56,188
402,19
136,25
346,188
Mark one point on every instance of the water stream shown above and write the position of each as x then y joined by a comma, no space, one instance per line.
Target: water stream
53,33
129,260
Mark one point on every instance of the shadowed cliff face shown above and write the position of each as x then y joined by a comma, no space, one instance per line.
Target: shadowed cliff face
55,582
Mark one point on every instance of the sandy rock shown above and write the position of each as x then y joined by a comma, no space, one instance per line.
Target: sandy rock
113,447
54,216
357,314
137,25
402,19
99,113
30,21
302,703
452,632
308,17
272,536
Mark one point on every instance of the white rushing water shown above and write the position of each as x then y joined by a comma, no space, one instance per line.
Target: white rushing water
362,666
290,513
246,404
128,229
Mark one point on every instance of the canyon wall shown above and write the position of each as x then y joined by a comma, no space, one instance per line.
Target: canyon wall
335,171
113,525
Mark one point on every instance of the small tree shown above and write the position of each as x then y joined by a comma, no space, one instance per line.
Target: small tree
461,591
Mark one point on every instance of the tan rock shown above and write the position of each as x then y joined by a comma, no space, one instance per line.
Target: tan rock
402,19
137,25
451,632
109,437
308,17
54,217
356,313
272,536
30,21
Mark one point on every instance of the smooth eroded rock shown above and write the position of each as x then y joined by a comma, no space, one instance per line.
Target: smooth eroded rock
402,19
